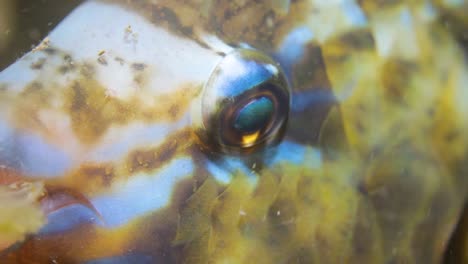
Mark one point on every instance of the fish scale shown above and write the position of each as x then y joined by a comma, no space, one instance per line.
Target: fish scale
369,169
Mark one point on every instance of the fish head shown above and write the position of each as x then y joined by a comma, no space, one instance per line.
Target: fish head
280,130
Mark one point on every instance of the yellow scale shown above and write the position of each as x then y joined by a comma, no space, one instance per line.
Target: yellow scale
382,176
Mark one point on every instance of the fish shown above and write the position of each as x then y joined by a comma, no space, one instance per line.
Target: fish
276,131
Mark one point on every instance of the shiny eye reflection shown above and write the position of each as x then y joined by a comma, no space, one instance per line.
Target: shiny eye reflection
244,104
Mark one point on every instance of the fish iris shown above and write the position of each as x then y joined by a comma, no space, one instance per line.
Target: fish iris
254,116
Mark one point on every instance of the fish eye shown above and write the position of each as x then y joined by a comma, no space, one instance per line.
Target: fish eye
244,104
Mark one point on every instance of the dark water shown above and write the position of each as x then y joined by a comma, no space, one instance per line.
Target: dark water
29,22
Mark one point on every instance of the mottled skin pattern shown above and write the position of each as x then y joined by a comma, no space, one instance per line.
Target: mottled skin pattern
376,175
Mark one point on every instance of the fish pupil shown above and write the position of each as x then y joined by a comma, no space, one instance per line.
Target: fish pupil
254,116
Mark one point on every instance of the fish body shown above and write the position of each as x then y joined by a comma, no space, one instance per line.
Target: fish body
226,131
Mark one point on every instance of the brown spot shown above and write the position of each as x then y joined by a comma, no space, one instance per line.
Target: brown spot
164,102
27,105
360,39
65,69
156,158
120,60
90,177
359,127
451,136
87,70
138,66
37,65
33,95
172,21
68,64
104,173
396,74
128,29
431,112
174,110
91,111
50,51
305,184
67,58
228,13
102,60
362,188
139,79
